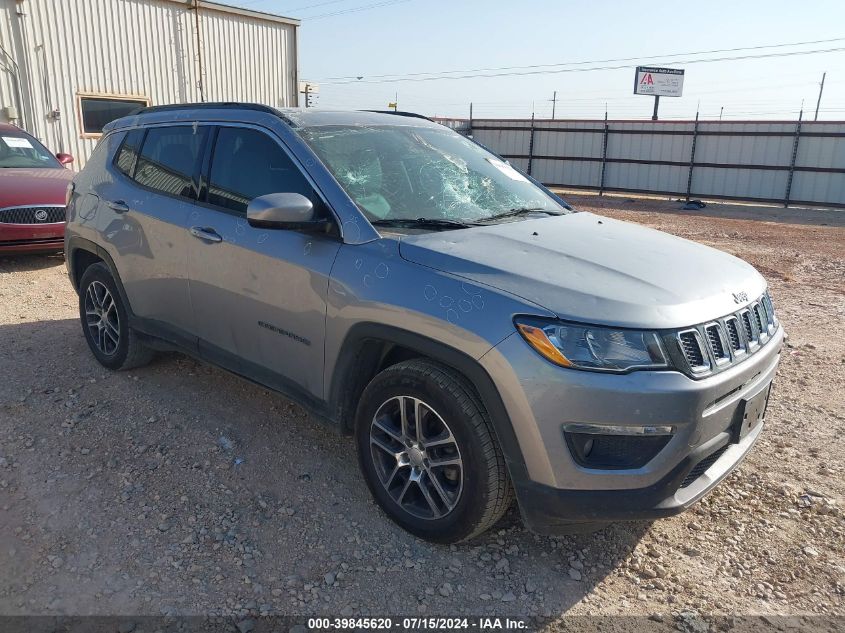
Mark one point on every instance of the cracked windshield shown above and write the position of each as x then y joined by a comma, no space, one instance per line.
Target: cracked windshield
396,173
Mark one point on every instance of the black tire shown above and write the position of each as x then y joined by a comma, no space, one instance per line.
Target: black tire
128,352
486,491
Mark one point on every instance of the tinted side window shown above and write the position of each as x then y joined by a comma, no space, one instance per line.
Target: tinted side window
247,164
169,157
128,152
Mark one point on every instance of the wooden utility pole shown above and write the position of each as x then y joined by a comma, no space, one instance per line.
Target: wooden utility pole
554,103
200,87
818,103
469,128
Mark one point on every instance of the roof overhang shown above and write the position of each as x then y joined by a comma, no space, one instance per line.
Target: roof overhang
225,8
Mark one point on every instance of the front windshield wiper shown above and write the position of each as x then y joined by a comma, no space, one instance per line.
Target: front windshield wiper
512,213
423,223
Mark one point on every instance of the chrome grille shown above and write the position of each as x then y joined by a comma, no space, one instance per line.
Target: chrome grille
721,343
770,313
32,215
759,320
750,336
717,343
694,353
732,326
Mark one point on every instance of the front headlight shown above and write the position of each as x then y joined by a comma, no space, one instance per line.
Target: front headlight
593,347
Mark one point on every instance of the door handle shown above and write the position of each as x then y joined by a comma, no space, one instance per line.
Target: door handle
118,205
206,234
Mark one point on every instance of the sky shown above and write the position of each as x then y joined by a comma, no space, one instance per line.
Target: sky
392,44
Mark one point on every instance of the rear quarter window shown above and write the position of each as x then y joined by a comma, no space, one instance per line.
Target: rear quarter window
127,154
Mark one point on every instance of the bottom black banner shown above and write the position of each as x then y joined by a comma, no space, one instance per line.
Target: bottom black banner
686,622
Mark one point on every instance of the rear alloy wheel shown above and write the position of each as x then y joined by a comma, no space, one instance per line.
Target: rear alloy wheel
101,318
428,452
105,321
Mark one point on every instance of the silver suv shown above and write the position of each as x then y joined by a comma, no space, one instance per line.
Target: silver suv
479,338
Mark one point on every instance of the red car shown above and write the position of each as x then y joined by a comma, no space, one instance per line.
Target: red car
33,185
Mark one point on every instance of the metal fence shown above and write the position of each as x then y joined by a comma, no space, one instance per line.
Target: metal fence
797,163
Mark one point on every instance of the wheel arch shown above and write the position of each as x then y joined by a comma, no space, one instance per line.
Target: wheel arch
372,347
81,254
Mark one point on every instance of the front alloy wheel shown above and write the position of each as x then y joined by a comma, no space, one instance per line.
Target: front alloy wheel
428,452
416,457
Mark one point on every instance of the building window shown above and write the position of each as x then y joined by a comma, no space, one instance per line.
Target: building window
96,111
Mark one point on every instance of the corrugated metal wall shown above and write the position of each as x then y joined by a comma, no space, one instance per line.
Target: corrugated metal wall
135,47
752,160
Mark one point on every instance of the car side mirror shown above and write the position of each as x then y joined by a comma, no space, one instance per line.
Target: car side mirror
291,211
64,159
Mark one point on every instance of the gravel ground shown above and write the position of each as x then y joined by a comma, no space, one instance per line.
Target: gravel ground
180,489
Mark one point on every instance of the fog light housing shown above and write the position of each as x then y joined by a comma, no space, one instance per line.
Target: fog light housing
615,447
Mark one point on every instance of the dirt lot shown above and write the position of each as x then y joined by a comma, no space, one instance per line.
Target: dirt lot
179,489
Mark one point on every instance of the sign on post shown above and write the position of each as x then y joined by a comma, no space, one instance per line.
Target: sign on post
311,92
659,82
309,87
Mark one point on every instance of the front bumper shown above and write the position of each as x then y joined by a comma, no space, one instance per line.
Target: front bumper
554,491
32,238
548,510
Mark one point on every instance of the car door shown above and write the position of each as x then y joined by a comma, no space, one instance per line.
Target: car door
142,218
258,295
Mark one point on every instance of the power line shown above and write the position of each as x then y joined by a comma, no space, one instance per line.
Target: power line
594,68
595,61
247,3
610,94
375,5
760,80
308,7
367,7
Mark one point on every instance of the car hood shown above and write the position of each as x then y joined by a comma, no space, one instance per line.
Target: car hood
593,269
24,187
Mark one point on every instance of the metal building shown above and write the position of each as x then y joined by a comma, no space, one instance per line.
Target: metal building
68,67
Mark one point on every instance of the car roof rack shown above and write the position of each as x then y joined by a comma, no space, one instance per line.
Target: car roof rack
214,105
412,115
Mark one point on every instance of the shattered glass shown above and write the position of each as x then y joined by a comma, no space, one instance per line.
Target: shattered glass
406,172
